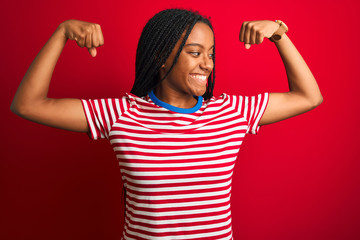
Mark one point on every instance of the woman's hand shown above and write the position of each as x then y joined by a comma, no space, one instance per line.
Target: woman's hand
254,31
85,34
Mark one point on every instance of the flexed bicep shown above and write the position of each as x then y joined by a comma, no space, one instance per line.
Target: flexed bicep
31,101
285,105
67,114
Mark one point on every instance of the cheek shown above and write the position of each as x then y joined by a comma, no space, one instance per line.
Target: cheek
182,68
187,65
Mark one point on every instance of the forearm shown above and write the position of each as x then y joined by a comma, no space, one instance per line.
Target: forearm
35,84
301,80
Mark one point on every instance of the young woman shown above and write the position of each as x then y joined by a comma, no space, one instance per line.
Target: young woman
176,143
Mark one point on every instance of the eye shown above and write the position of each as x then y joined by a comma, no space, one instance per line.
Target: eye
195,53
211,56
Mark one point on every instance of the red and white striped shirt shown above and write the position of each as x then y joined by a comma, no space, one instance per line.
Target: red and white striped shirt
176,165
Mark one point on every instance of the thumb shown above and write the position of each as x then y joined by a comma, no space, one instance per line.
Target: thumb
92,51
247,46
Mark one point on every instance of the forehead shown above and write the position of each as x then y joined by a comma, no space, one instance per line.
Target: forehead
202,34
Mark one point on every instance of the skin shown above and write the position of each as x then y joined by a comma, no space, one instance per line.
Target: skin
178,89
31,101
304,93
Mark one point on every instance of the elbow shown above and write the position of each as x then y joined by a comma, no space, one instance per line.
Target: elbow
321,99
315,102
14,108
18,109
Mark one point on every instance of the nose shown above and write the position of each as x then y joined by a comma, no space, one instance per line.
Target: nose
207,63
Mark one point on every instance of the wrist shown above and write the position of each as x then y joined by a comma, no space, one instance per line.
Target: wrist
283,42
60,31
277,35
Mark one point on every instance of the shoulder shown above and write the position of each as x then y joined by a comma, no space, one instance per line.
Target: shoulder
238,101
219,102
221,99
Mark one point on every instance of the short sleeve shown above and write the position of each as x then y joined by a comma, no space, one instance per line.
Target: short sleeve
253,108
101,114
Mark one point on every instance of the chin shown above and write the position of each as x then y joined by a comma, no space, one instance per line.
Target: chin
199,93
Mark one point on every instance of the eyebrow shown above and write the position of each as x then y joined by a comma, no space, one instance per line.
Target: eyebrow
196,44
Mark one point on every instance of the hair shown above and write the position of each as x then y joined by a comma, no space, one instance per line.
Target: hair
157,41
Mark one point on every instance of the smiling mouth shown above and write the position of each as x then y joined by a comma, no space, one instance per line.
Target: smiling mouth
199,77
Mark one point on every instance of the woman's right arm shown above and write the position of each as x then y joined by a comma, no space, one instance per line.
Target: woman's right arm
31,101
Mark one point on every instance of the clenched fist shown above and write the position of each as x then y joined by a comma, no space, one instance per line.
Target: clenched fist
85,34
254,31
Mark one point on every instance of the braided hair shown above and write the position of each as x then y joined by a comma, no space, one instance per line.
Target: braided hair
157,41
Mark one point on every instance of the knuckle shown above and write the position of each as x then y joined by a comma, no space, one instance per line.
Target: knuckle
245,25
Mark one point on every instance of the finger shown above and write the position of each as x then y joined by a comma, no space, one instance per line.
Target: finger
88,42
95,39
253,35
80,41
259,37
92,51
100,35
73,37
242,32
247,46
247,34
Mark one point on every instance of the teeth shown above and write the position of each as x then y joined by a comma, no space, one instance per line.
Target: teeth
200,77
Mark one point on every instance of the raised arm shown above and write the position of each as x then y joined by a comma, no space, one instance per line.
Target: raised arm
304,93
31,101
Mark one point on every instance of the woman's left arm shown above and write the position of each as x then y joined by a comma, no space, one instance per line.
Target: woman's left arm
304,93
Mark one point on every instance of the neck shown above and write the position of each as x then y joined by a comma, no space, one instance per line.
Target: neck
175,98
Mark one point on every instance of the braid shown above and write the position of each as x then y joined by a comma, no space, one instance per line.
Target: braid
156,43
211,80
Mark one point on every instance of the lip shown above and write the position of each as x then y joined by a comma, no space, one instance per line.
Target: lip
202,74
193,76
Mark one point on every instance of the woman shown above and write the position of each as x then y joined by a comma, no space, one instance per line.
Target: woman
176,143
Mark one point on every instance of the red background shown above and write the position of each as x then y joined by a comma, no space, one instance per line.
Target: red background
297,179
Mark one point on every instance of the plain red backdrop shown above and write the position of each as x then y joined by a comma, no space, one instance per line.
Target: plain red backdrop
297,179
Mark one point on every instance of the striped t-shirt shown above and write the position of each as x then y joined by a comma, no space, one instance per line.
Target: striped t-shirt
176,164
